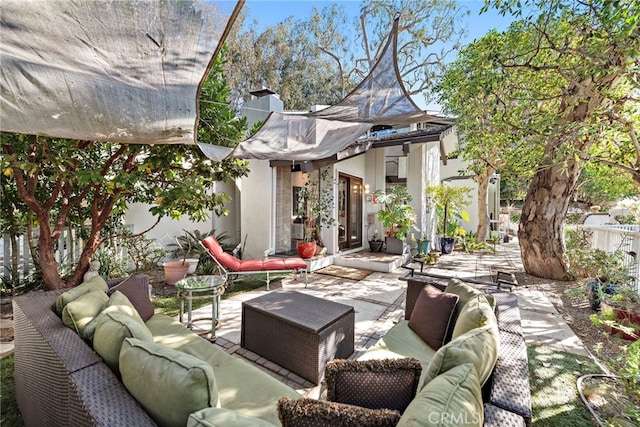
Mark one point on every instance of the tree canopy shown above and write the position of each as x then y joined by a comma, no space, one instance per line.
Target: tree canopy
556,91
319,59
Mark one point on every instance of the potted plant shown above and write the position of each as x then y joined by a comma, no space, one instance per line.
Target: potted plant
612,293
375,244
449,202
424,246
178,270
316,198
396,216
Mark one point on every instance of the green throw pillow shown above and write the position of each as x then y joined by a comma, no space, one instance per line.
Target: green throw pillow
118,303
465,292
221,417
78,313
476,312
111,331
95,284
479,346
452,399
169,384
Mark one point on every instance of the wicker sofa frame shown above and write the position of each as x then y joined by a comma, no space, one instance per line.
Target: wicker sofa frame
59,379
507,393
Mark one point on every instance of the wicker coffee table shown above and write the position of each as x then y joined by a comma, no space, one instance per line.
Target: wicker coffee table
297,331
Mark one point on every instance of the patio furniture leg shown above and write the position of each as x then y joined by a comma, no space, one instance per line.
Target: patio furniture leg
268,281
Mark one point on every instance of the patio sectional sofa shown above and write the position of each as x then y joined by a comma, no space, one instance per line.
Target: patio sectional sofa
173,373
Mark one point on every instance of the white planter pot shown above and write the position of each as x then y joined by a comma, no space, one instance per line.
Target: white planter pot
193,264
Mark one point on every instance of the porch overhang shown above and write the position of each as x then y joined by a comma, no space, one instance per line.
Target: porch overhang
405,139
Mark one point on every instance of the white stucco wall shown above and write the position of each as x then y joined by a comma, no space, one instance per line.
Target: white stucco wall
257,201
138,219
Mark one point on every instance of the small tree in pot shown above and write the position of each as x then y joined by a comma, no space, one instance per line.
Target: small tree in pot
450,200
396,216
316,197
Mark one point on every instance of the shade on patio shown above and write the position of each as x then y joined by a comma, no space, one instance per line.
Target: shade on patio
118,71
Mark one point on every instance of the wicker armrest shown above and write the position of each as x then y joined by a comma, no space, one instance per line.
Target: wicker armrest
510,388
374,384
59,379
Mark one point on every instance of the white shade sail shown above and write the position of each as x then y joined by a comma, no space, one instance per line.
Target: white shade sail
380,99
121,71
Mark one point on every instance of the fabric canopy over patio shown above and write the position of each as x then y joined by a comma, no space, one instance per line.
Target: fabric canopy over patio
118,71
380,99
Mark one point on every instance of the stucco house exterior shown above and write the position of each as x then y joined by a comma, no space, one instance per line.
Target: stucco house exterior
263,212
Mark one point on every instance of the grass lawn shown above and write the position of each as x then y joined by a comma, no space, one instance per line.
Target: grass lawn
554,394
10,416
170,304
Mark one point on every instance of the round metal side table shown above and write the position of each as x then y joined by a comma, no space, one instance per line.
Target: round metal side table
213,286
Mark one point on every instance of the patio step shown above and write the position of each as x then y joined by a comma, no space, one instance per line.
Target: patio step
375,261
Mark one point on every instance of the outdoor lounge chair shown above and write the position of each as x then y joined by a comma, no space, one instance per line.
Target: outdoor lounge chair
232,267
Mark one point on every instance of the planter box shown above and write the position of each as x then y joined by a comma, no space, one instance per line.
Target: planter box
395,246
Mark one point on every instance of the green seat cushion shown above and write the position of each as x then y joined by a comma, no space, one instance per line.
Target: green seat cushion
465,292
117,303
222,417
255,395
77,314
170,385
400,341
111,331
454,398
95,284
476,312
479,346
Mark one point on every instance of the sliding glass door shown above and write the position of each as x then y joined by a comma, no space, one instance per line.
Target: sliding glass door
350,192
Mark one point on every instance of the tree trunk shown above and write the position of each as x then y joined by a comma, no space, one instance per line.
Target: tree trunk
47,261
541,231
483,217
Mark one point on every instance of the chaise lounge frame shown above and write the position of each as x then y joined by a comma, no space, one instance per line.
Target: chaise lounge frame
232,267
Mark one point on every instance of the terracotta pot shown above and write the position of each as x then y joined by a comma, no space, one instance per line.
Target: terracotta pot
174,271
626,318
306,250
